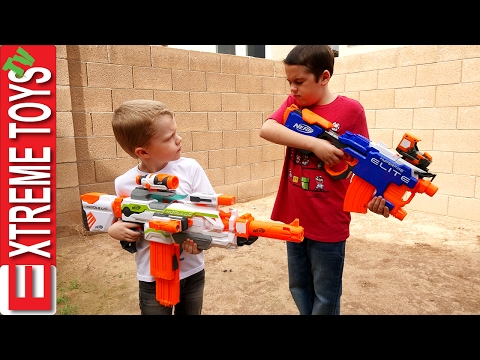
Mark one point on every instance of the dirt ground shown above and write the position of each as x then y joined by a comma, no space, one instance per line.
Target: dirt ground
425,264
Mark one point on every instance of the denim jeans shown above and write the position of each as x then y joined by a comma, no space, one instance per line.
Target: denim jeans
315,271
191,297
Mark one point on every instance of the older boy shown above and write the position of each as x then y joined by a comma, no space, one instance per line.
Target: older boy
315,266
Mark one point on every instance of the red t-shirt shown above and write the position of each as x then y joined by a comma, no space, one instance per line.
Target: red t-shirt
306,190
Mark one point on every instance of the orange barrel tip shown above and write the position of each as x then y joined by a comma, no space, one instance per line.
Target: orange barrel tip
227,199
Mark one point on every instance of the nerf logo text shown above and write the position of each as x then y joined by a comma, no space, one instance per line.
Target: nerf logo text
303,128
259,231
381,164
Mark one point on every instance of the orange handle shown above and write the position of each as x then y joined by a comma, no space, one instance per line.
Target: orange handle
359,193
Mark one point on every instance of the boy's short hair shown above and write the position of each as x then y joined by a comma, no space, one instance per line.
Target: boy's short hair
316,58
132,123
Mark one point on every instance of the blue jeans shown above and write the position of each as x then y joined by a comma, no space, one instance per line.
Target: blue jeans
191,297
315,271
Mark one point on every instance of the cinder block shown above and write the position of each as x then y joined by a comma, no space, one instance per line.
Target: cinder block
66,175
464,94
249,84
64,124
375,99
65,150
365,80
133,55
237,174
61,51
232,64
222,158
439,73
249,120
336,83
236,139
87,175
184,80
217,83
273,85
201,157
270,185
250,190
261,67
235,102
204,61
417,54
102,124
464,208
394,119
381,59
67,199
249,155
222,120
175,100
442,161
63,101
119,96
77,73
470,71
467,163
261,102
395,78
468,117
262,170
457,141
216,176
62,72
415,97
106,170
279,68
169,58
90,100
438,204
88,53
205,101
190,121
435,118
273,152
95,148
229,189
186,141
152,78
69,223
347,65
207,140
456,185
109,76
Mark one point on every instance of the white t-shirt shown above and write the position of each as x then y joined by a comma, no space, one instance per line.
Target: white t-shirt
192,178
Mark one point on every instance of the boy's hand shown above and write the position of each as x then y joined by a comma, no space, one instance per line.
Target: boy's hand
123,230
377,205
191,247
328,153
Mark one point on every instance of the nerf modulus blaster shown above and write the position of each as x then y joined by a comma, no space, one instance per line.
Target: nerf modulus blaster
167,219
375,170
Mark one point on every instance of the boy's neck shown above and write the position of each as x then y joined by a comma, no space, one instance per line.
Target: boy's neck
150,168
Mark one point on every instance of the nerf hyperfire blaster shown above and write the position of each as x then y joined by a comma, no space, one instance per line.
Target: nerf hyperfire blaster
167,219
375,170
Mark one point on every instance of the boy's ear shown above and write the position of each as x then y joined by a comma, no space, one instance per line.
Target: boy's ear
325,77
141,153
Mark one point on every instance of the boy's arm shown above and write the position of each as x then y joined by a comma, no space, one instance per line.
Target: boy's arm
277,133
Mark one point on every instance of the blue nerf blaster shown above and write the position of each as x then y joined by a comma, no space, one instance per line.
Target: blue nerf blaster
374,169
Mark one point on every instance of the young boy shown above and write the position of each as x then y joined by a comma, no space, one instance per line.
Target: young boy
147,131
315,266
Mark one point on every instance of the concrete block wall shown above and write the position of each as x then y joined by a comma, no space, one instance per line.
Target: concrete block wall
221,101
